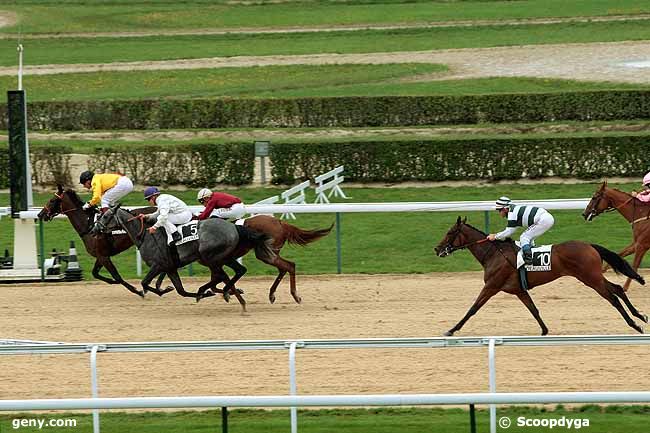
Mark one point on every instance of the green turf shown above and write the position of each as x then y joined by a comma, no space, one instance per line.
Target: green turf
286,82
611,419
46,16
381,242
129,49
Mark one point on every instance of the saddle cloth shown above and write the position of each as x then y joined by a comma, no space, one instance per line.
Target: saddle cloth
541,259
188,231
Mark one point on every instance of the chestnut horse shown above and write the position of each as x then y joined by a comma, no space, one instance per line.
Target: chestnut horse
572,258
636,212
281,233
101,247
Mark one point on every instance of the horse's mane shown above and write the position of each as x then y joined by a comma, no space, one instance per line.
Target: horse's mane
73,195
472,227
508,241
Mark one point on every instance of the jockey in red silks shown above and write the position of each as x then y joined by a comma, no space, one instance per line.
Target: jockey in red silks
222,202
644,195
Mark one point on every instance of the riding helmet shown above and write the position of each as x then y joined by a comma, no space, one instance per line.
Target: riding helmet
150,191
86,176
203,194
502,202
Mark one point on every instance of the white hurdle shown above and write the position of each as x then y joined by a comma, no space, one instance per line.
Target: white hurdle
290,198
270,200
324,184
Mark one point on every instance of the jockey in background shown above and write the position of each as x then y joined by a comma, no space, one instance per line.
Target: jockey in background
222,202
535,219
171,211
644,195
107,188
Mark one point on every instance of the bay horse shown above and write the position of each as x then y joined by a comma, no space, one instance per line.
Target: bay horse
572,258
101,247
636,212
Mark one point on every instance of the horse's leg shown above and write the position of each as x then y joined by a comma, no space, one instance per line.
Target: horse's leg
618,291
110,267
178,284
638,256
624,253
602,287
283,266
528,302
159,282
486,293
146,281
96,268
240,270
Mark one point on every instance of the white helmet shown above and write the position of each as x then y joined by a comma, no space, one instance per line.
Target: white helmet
203,194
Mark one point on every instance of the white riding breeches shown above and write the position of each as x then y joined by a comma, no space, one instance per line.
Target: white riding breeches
544,223
176,219
235,211
121,188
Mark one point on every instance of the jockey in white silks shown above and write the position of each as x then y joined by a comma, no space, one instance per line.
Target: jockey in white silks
171,212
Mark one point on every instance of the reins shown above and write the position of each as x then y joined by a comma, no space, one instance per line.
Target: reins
141,218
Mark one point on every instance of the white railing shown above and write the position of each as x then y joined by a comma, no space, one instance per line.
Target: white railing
293,401
447,206
326,400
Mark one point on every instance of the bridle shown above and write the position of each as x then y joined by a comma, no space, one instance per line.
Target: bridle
600,195
450,248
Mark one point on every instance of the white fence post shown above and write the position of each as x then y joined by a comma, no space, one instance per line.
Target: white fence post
289,197
324,184
293,387
493,384
93,385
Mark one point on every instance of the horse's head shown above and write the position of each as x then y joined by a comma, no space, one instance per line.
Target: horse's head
455,239
107,222
599,203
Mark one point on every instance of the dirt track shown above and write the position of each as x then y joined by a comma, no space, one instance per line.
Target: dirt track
334,307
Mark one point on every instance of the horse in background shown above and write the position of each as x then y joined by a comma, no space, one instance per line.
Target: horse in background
572,258
636,212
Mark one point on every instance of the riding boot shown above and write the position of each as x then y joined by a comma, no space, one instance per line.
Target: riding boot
527,254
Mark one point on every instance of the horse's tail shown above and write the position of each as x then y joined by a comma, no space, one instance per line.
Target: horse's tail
618,263
298,236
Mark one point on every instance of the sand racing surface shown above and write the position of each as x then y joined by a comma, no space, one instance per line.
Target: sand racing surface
333,307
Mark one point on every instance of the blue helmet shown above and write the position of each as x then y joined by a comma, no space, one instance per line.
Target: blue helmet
150,191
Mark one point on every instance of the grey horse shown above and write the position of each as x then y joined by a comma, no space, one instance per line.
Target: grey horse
217,245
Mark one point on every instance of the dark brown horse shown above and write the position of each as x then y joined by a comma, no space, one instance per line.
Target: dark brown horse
281,233
572,258
636,212
102,247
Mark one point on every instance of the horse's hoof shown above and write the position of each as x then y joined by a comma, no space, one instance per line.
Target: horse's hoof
141,294
448,334
272,299
299,300
644,318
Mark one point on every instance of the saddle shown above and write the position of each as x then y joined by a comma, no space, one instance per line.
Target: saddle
541,263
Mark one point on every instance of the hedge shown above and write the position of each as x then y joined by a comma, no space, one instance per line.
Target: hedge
486,159
376,161
191,165
335,112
